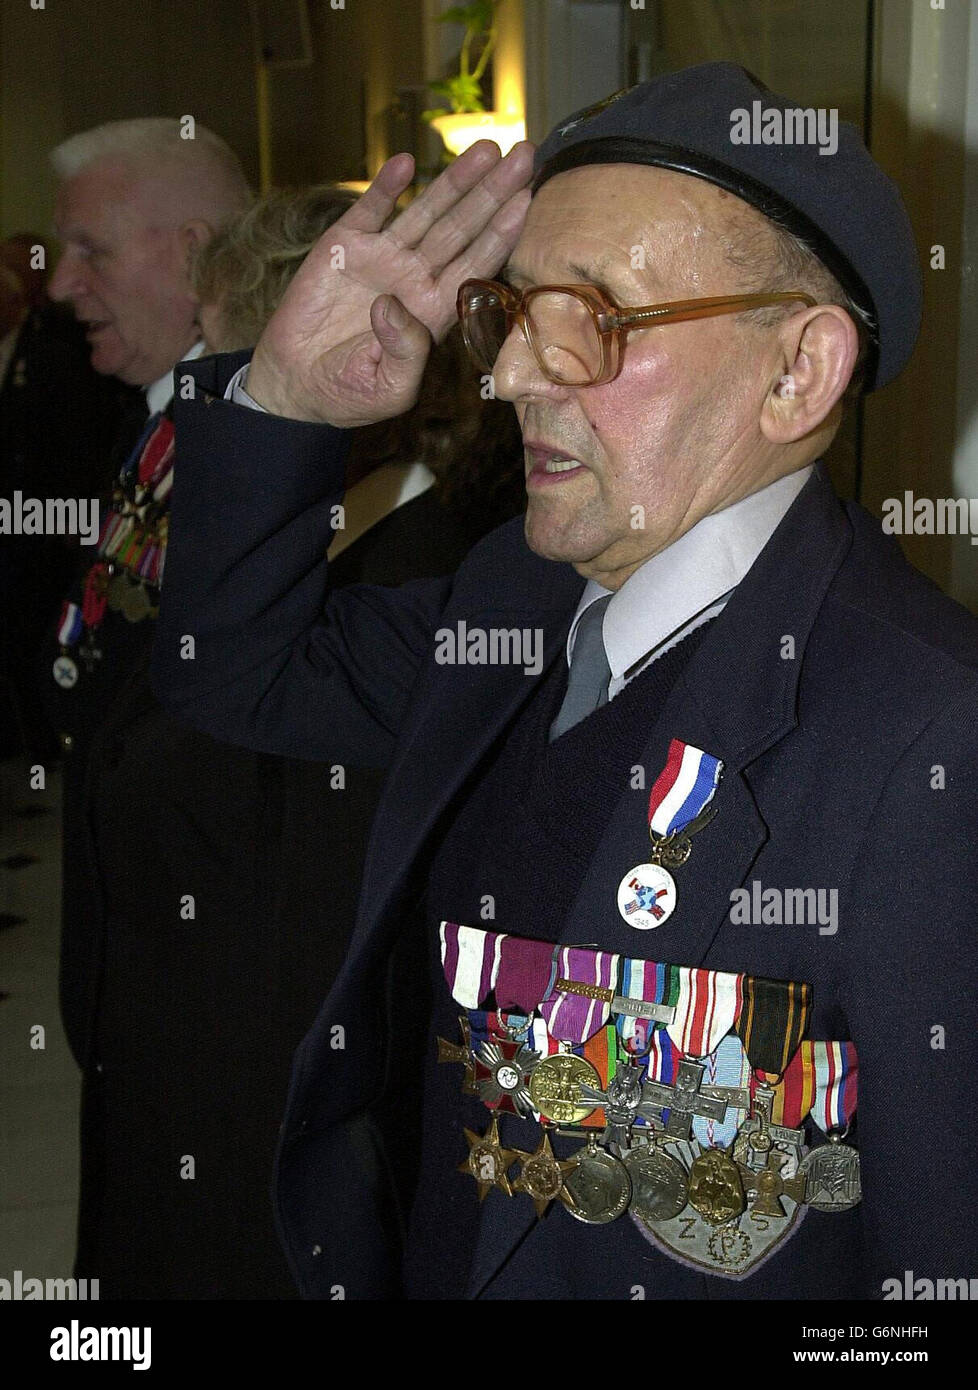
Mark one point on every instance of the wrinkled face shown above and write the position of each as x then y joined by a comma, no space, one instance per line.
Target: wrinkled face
616,472
123,268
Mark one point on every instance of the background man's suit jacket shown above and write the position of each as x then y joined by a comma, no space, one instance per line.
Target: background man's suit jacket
830,758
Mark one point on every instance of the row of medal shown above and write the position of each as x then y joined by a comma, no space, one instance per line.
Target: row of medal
132,548
705,1150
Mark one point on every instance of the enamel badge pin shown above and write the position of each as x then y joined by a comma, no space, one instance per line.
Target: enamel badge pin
679,805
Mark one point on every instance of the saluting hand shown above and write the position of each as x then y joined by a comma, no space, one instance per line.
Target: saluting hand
348,346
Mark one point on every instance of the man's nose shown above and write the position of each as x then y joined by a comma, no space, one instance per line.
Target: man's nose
517,372
67,281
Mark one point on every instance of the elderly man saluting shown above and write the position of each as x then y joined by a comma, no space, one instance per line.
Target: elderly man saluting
560,998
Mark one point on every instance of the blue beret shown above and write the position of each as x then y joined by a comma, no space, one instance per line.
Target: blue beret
717,122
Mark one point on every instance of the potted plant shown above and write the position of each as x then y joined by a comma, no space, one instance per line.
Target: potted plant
467,119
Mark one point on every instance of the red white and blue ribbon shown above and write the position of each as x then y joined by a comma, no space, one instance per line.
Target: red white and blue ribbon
686,784
70,626
836,1075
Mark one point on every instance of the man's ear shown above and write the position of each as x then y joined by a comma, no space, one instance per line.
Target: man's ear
818,349
192,236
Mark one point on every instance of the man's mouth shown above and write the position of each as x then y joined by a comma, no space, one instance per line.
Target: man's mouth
93,326
548,464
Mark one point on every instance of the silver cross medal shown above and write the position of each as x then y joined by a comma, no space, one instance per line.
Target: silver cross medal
688,1098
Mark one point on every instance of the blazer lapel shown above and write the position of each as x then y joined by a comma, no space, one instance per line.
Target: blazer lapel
460,713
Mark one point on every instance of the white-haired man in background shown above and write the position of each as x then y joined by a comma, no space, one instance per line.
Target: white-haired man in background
136,199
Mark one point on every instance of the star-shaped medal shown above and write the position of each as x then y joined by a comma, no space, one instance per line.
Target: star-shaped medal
542,1175
451,1052
488,1160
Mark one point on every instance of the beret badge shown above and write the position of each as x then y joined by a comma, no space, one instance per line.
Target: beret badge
590,112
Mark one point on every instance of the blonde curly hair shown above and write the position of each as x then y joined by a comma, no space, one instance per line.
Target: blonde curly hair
245,269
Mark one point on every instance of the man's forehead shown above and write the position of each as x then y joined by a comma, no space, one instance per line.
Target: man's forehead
599,223
97,202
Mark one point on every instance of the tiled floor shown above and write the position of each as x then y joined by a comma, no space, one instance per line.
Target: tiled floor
39,1088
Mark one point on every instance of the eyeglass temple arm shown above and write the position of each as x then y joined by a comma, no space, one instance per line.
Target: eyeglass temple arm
705,308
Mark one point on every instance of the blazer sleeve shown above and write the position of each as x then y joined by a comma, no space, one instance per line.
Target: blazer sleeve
251,645
911,1000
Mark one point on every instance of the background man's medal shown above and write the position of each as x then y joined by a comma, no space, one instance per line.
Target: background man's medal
117,587
136,604
65,672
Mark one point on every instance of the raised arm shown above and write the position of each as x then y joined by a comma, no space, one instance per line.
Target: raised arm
251,644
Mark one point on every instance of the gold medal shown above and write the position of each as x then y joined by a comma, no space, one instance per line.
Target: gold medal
715,1187
555,1088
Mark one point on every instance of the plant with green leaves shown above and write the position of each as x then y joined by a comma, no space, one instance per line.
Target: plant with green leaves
464,91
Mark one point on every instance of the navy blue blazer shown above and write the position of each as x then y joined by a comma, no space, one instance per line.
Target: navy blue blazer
851,762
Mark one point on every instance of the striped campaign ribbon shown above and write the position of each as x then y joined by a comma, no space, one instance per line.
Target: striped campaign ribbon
836,1077
470,960
708,1006
650,983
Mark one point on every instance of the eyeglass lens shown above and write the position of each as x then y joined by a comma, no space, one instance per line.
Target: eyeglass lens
561,329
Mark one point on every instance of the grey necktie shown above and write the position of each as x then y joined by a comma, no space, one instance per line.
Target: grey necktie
587,679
